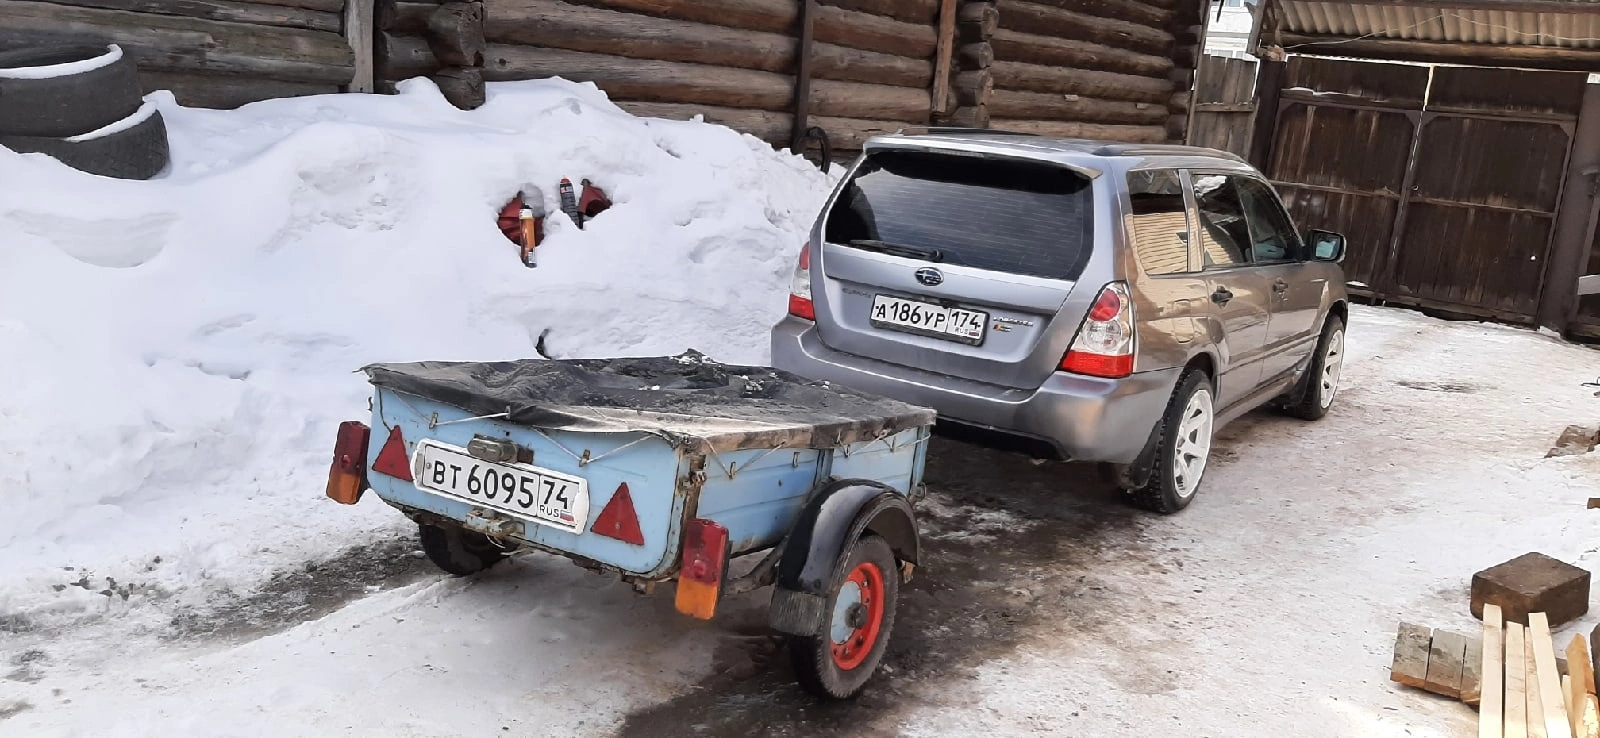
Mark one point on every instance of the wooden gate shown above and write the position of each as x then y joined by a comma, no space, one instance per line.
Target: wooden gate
1224,107
1447,186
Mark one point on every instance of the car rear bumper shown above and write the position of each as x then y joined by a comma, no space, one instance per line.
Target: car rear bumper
1078,418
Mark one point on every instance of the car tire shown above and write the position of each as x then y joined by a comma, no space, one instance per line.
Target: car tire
830,668
1182,447
138,152
71,104
457,550
1321,381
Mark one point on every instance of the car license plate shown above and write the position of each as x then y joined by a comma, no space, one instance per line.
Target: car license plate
543,496
916,316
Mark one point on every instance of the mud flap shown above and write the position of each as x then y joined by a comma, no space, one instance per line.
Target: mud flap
836,516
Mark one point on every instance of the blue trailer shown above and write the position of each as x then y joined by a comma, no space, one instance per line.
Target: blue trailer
658,470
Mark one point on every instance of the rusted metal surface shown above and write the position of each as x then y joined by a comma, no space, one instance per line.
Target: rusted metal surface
1450,209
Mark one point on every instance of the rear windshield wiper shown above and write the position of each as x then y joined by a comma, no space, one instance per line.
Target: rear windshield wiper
909,252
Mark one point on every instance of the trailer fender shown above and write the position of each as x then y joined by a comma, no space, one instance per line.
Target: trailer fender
838,515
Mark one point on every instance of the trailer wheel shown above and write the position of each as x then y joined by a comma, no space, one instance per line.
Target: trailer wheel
457,550
838,663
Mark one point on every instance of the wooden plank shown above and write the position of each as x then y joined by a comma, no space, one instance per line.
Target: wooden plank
1535,702
1516,708
1581,684
1491,709
1410,665
358,16
1445,655
945,49
1544,654
1566,700
1472,673
1589,720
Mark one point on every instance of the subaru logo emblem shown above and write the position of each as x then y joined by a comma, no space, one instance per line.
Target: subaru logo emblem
930,277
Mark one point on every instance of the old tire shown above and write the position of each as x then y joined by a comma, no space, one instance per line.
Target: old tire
838,663
1323,374
138,152
1183,447
457,550
70,104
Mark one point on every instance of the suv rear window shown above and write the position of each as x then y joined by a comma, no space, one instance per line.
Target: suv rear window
1025,218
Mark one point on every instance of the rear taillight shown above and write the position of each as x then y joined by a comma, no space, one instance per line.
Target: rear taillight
347,478
1105,344
705,553
800,305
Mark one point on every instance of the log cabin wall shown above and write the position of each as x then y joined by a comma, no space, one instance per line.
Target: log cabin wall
210,53
1106,69
871,64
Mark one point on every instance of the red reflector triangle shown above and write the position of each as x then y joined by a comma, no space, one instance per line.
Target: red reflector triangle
392,459
618,520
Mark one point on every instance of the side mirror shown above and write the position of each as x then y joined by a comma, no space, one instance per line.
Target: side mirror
1327,246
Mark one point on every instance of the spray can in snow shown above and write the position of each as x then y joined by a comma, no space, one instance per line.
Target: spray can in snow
569,203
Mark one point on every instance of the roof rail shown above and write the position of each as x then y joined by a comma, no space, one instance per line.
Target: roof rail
958,130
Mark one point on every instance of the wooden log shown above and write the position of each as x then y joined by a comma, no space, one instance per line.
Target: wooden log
909,11
173,43
1042,106
834,25
223,10
1034,49
1131,11
1179,102
1091,131
975,56
403,16
944,55
976,22
660,81
970,117
357,31
455,34
462,86
1033,18
403,57
325,6
973,88
226,91
1070,81
767,125
561,25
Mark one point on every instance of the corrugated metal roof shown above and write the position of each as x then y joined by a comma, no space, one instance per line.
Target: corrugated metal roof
1400,20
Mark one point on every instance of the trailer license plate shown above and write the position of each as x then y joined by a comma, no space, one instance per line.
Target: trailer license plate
927,318
543,496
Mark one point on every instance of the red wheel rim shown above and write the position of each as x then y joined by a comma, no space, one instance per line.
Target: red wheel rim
853,652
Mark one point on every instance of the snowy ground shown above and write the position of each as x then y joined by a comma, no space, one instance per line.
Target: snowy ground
177,353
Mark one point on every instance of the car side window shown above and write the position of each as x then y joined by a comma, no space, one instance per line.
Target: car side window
1160,221
1224,233
1272,235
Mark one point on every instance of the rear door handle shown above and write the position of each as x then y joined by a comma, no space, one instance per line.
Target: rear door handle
1221,296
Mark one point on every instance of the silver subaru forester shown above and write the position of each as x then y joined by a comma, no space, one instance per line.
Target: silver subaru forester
1071,300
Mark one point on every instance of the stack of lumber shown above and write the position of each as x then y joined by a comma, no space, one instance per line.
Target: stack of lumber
1513,674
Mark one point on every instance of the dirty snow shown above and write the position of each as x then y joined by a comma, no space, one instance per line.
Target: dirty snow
177,352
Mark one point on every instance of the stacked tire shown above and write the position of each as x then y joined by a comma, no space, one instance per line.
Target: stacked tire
82,105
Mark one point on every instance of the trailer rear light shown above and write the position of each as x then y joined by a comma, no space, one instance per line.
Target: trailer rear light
1104,346
347,478
619,520
705,556
800,304
392,458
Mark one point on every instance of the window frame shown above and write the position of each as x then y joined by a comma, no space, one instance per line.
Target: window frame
1189,175
1297,245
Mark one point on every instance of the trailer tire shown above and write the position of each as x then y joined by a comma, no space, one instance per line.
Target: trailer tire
838,662
457,550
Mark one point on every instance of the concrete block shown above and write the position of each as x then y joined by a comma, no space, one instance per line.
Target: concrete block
1532,582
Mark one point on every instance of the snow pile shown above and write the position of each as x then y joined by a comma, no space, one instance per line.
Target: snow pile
177,353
